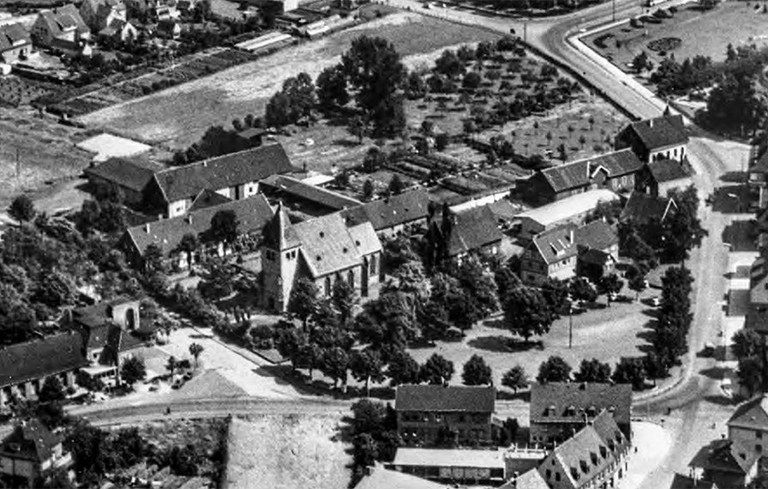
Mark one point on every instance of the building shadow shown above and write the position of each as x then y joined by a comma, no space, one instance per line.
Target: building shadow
503,344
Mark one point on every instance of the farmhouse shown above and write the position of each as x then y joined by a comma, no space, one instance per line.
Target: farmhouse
235,176
25,366
60,26
655,139
15,43
305,198
456,235
559,409
568,210
98,14
613,171
392,215
29,453
556,253
425,412
324,250
251,213
129,176
659,177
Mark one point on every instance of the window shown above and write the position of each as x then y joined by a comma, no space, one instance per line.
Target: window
758,448
351,278
549,474
557,476
373,265
759,435
327,286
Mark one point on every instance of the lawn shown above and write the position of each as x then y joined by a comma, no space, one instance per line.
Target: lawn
706,33
178,116
289,451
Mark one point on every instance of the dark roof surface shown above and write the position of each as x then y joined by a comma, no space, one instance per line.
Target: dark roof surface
473,229
751,414
39,358
252,214
30,440
667,170
582,396
642,208
123,172
661,132
13,36
445,398
311,193
597,235
580,173
250,165
392,211
730,456
208,198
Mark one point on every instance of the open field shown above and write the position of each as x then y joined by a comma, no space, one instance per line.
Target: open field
707,33
178,116
287,452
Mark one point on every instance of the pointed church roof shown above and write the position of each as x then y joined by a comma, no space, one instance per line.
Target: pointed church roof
279,233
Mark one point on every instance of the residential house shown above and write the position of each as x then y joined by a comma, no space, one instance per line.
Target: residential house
595,456
392,215
324,250
560,409
748,426
120,30
660,176
380,478
129,176
25,366
612,171
15,43
731,464
642,208
98,14
428,413
570,210
456,235
169,28
557,253
655,139
466,466
252,214
305,198
61,26
235,176
757,313
758,179
29,453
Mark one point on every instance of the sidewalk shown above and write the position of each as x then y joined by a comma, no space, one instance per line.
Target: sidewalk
652,443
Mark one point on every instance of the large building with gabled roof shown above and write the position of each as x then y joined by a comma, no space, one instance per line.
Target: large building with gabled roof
29,453
15,43
324,250
63,24
655,139
391,215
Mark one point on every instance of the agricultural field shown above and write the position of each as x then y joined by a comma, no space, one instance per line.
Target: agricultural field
706,33
178,116
15,91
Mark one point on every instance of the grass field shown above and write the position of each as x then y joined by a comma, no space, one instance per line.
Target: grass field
287,452
178,116
706,33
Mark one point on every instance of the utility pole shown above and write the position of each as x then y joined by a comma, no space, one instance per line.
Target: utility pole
18,164
570,326
613,9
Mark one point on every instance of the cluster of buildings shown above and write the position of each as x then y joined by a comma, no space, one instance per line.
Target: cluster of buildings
580,437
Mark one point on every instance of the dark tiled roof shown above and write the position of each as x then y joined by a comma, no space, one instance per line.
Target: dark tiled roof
597,235
39,358
311,193
208,198
661,132
62,18
252,214
30,440
13,36
250,165
123,172
642,208
445,398
751,414
97,314
594,257
472,230
278,232
392,211
667,170
556,244
580,173
730,456
582,396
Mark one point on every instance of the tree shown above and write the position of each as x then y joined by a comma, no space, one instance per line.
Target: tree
441,141
56,290
332,88
554,369
630,371
637,284
396,185
476,372
343,297
515,378
365,450
365,366
471,80
746,343
195,349
133,370
750,373
593,371
153,259
368,417
403,369
188,245
449,64
302,98
374,160
303,300
555,293
526,312
171,365
682,230
22,209
334,364
436,370
367,189
506,280
224,226
611,284
581,289
641,62
415,87
52,390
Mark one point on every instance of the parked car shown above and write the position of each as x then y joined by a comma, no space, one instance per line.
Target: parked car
622,298
655,301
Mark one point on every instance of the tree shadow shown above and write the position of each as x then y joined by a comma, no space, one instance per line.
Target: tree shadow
722,400
523,395
347,143
716,372
646,335
740,235
503,344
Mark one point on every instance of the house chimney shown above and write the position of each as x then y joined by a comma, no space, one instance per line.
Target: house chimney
188,218
146,227
570,236
650,122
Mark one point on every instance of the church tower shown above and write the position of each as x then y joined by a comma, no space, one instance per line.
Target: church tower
279,260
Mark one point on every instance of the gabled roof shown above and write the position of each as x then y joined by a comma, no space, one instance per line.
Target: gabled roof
581,172
667,170
556,244
98,314
252,214
753,414
528,480
660,132
438,398
472,230
30,440
550,402
730,456
42,357
13,36
208,198
381,478
63,18
278,233
564,209
642,208
123,172
297,188
449,457
328,245
185,182
597,235
392,211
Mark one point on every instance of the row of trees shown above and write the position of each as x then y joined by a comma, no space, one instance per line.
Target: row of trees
673,321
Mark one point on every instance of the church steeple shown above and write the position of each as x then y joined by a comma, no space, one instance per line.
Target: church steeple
279,233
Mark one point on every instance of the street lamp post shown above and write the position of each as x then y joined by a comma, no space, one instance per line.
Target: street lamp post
570,326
